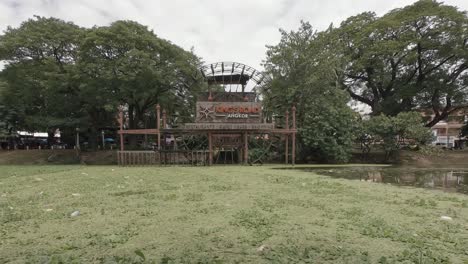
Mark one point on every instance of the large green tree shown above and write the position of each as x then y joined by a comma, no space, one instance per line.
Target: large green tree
137,69
303,75
409,59
59,75
38,92
413,57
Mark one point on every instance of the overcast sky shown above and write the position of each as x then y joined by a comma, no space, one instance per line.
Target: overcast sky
219,30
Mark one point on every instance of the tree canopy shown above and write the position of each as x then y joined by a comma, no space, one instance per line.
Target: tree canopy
38,92
302,75
59,75
412,57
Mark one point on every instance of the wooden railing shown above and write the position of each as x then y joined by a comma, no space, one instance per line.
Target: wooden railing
162,157
137,158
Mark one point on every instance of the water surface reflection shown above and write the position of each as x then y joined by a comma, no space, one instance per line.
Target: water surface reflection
450,180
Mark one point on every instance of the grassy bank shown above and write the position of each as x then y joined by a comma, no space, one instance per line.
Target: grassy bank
39,157
57,156
221,214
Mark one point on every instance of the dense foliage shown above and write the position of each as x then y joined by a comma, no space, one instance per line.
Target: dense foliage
413,57
38,92
390,133
409,59
303,76
59,75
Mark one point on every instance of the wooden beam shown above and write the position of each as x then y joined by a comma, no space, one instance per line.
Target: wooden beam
246,148
210,149
293,117
121,130
164,126
293,154
151,131
234,131
158,124
293,149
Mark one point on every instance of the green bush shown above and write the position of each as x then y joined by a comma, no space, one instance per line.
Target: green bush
391,132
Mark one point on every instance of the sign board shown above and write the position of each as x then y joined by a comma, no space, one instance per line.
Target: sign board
229,112
228,126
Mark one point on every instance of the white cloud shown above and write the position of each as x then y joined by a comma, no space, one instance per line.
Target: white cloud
218,30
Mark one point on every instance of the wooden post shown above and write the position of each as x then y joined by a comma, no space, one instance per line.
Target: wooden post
77,144
239,155
103,139
293,147
158,124
286,140
121,129
246,149
447,133
210,149
164,127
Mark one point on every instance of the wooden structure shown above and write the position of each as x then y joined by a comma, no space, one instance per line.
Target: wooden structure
227,119
149,157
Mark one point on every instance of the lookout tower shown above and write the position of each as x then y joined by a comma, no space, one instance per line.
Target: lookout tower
229,115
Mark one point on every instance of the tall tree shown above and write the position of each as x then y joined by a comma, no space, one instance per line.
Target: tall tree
302,73
40,55
59,75
138,69
413,57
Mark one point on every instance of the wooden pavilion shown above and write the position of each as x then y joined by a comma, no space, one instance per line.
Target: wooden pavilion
226,119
